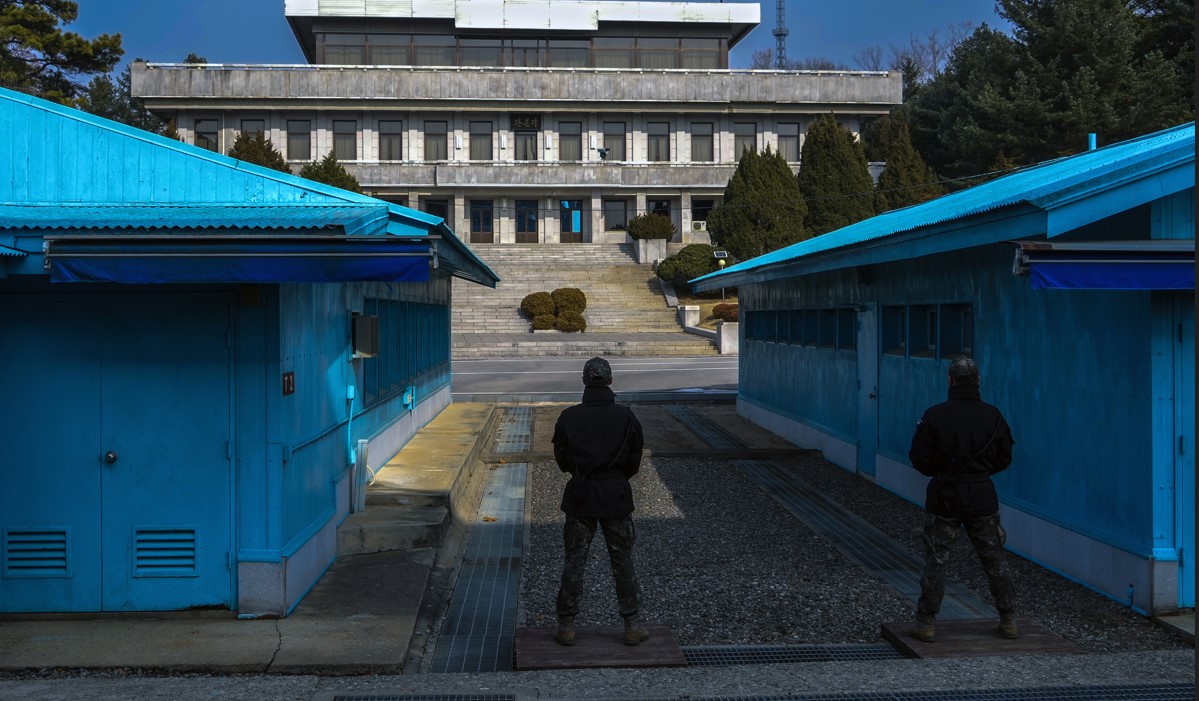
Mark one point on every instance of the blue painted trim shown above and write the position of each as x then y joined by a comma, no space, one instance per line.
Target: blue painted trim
259,555
309,531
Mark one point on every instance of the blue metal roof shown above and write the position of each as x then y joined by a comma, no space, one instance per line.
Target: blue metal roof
62,169
1055,184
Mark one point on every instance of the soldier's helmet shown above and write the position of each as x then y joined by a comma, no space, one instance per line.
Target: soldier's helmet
597,373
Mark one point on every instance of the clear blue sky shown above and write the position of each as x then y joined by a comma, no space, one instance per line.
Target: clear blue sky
254,31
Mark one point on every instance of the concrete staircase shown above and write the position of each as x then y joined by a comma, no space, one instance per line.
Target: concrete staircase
623,299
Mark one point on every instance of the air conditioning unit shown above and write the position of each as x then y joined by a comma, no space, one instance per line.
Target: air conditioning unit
699,226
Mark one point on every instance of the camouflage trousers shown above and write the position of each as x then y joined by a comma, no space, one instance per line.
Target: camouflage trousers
987,536
619,536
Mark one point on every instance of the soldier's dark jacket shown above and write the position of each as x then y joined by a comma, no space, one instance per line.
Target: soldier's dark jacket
599,442
960,443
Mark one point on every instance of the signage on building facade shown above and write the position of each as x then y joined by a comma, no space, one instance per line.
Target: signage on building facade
526,122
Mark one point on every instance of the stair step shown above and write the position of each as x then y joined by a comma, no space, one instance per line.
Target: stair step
384,528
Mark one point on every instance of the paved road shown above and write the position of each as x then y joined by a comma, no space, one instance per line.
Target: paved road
560,379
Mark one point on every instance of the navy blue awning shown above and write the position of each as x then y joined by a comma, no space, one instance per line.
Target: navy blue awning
1125,265
236,259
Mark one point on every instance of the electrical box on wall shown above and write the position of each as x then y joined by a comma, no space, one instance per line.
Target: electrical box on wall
366,336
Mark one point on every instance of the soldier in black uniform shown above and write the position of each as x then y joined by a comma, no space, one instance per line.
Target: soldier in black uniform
961,443
599,443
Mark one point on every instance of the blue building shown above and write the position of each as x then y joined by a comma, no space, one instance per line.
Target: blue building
1072,284
191,348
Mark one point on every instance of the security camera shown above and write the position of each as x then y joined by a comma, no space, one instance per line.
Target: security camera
603,152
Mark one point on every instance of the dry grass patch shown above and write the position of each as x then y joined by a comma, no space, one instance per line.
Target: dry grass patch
705,304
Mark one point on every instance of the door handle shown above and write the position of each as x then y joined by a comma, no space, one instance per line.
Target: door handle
110,457
872,395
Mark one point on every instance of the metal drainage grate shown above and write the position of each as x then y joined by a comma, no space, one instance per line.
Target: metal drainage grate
424,697
1158,692
515,432
726,655
706,429
859,540
481,621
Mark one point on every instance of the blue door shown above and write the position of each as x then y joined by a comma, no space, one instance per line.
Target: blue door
126,502
867,387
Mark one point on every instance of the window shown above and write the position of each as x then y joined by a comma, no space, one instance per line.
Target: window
480,52
345,140
613,52
572,220
526,53
847,329
389,49
700,54
811,327
526,221
391,140
344,49
745,136
616,215
658,141
701,142
526,145
568,53
828,328
480,141
299,140
895,330
795,326
570,141
206,134
481,218
437,147
922,331
700,209
614,141
661,207
414,348
433,50
253,127
657,53
789,142
437,208
957,330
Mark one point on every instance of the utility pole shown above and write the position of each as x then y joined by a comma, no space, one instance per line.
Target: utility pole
780,36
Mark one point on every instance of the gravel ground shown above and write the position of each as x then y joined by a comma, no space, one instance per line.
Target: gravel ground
722,563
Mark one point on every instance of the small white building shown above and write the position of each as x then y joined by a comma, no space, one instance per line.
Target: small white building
521,121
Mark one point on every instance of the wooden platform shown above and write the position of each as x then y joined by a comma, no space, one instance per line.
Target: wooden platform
977,638
595,646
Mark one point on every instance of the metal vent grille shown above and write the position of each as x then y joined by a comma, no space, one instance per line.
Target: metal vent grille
725,655
32,552
515,431
1161,692
164,552
706,429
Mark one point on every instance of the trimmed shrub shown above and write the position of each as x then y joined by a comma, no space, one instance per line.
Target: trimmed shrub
543,322
726,312
691,262
569,299
537,304
651,226
570,321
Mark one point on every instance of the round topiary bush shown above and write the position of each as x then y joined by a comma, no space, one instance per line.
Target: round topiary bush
651,226
691,262
726,312
543,322
537,304
570,321
569,299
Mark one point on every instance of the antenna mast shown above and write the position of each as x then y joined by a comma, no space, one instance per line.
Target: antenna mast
780,36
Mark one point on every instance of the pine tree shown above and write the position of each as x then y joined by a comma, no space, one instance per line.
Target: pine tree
257,148
39,58
834,177
906,179
330,172
763,209
115,101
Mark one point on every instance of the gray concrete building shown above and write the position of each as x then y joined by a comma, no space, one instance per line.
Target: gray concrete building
520,121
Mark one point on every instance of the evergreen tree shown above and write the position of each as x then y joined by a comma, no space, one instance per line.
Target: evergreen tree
115,101
330,172
763,209
256,148
39,58
171,131
1071,67
834,177
906,179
